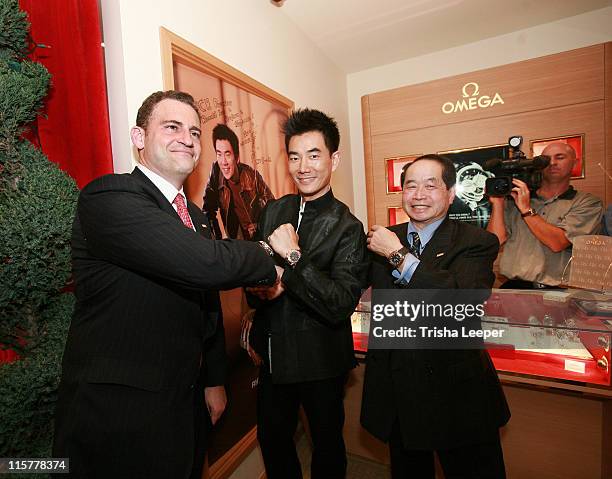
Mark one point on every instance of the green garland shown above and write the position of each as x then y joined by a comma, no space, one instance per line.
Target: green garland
37,202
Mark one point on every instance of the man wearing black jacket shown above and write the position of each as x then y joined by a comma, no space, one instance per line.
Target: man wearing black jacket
302,327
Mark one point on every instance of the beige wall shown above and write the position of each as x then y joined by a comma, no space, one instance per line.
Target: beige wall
579,31
253,36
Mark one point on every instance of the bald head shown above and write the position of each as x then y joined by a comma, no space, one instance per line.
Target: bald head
557,146
562,160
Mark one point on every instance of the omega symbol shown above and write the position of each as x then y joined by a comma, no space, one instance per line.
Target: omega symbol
465,88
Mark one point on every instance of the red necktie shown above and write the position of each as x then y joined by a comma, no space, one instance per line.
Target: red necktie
181,209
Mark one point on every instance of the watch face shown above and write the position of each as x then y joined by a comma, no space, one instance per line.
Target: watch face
293,256
396,258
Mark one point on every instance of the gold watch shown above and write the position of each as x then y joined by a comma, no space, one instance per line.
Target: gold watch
529,212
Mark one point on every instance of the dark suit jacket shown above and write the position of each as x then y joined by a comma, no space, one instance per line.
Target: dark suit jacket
309,326
443,398
147,309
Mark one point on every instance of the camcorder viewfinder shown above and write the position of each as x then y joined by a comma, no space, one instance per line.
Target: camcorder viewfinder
518,166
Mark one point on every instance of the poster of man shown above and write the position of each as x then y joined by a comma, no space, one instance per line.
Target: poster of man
243,165
235,191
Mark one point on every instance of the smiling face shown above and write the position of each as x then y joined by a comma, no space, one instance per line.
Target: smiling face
562,160
225,158
425,197
311,164
170,144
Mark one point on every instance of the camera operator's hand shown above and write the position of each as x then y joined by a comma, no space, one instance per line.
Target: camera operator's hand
520,194
497,201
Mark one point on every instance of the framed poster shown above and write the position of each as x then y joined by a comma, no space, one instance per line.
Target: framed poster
393,171
243,150
575,141
471,204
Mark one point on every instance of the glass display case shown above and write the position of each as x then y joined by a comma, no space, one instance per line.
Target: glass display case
561,335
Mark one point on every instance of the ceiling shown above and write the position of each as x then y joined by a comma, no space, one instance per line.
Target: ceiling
360,34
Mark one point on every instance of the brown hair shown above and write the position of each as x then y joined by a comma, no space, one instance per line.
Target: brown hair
147,107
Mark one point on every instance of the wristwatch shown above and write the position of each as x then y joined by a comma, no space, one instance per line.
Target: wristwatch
293,256
398,256
529,212
267,248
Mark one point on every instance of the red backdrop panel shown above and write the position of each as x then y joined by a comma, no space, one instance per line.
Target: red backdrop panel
75,133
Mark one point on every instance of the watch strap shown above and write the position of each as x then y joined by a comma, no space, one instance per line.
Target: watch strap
267,248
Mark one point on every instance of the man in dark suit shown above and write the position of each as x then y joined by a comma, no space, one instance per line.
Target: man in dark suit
421,401
302,326
147,324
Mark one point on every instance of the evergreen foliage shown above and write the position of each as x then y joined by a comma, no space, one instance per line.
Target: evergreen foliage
37,202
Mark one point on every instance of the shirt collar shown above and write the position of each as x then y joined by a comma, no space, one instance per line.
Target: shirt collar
167,189
426,233
320,203
566,195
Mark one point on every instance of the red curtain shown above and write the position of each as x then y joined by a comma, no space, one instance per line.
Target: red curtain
75,133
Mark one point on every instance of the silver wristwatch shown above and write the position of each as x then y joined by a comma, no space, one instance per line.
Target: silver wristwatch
293,256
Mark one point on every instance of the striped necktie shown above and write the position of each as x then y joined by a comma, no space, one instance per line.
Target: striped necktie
415,248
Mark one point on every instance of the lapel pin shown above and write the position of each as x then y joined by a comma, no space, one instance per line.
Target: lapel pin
440,254
203,225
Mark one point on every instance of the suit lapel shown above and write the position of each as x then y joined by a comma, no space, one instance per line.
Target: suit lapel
165,205
401,231
439,244
162,201
199,219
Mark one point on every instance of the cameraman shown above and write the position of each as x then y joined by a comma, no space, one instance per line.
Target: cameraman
538,231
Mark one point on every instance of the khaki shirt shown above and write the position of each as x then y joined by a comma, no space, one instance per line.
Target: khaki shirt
525,257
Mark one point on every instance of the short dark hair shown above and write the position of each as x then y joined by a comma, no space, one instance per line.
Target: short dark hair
305,119
144,112
224,132
449,174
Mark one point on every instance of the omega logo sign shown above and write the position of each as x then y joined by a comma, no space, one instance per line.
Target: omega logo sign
471,100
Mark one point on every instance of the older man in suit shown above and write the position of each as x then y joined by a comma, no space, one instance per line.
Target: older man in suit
147,324
421,401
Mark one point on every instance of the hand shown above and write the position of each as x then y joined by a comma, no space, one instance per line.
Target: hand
382,241
283,239
279,273
216,400
521,196
270,292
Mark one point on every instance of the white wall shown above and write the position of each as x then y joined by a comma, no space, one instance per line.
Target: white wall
567,34
253,36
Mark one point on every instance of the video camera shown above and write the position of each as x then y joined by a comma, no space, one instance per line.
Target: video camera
518,166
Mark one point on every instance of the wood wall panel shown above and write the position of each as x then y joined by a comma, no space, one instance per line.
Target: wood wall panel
566,78
490,131
367,149
608,121
553,435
